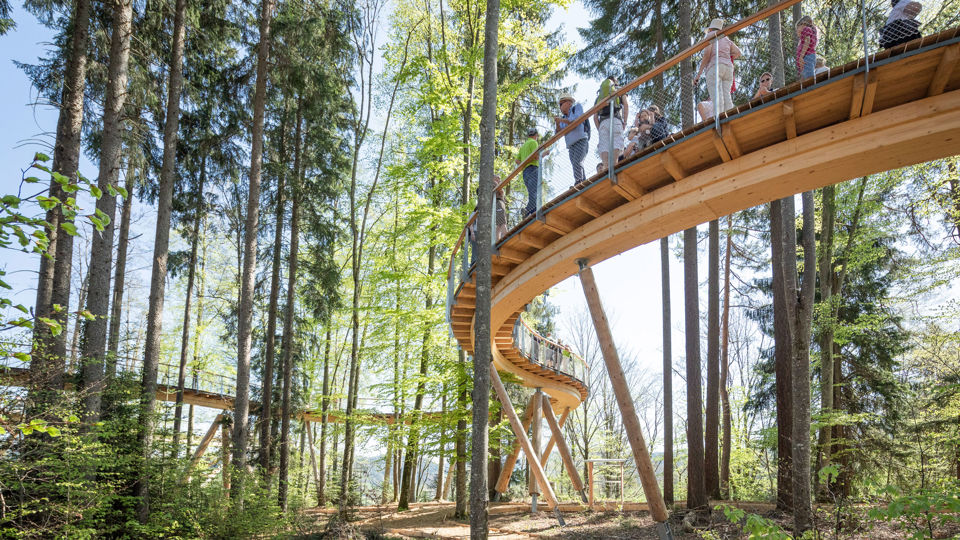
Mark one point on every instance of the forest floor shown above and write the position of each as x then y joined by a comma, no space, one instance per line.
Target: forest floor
515,522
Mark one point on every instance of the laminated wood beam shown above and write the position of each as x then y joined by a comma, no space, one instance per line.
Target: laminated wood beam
528,238
588,207
672,166
721,147
856,98
869,94
789,119
948,62
730,141
205,442
626,191
553,441
558,224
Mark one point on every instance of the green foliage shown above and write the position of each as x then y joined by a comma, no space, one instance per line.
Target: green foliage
920,511
756,527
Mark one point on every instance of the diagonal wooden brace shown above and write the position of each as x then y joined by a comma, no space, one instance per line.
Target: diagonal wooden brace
631,422
532,458
503,482
563,449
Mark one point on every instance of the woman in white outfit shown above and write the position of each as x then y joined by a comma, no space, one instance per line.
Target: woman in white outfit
727,52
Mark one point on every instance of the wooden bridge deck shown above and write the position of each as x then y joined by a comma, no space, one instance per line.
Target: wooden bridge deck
902,109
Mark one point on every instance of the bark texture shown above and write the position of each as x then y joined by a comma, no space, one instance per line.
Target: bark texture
151,357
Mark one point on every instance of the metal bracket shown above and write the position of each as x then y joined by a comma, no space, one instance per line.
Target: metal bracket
559,516
583,263
663,531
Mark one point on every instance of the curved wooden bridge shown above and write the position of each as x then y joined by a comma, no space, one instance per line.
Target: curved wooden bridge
892,109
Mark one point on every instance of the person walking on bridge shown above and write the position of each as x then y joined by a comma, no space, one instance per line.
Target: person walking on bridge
606,122
577,139
531,173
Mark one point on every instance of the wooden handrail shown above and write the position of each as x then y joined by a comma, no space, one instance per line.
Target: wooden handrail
658,70
552,342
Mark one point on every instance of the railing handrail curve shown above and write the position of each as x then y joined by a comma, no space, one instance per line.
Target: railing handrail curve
555,343
654,72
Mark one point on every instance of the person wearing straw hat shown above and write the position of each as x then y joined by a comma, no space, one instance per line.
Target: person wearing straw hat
531,173
577,138
726,52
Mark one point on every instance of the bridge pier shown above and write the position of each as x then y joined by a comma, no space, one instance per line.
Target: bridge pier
535,424
503,481
563,449
631,422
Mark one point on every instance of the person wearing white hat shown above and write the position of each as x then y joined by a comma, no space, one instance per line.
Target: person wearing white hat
724,53
577,139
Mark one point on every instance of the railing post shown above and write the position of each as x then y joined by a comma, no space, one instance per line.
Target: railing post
540,185
716,82
611,158
866,52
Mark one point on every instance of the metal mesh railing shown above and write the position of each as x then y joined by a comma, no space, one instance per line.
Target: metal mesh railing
676,98
548,353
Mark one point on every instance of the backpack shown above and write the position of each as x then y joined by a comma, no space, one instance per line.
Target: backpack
586,128
607,88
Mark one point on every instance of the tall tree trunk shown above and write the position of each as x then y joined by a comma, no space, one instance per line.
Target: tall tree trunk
241,418
483,359
711,471
696,493
288,330
73,360
827,216
725,368
53,283
94,344
116,304
266,407
191,276
799,310
779,243
151,357
668,496
324,408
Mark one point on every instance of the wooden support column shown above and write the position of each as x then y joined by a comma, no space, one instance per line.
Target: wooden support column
631,422
535,423
563,449
504,481
532,458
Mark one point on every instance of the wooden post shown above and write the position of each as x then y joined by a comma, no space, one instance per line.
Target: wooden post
550,444
621,485
504,481
521,434
590,481
313,461
535,423
563,448
631,422
446,481
225,456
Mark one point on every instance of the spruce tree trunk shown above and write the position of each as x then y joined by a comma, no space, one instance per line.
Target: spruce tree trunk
779,242
289,320
324,408
711,433
94,344
116,304
266,407
151,358
799,303
241,416
53,282
668,495
725,368
483,359
827,213
696,493
185,335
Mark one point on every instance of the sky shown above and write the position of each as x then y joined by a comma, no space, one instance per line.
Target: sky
629,283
